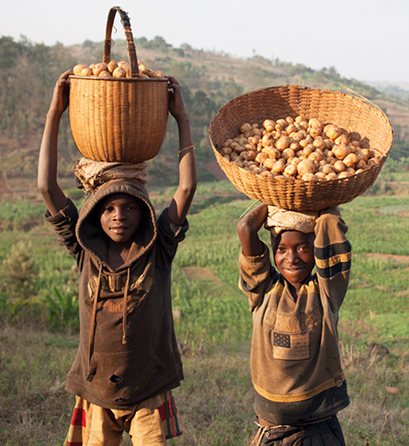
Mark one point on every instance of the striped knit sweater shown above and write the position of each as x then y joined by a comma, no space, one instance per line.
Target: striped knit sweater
295,359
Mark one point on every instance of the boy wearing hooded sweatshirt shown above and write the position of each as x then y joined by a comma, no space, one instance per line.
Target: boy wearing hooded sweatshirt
299,385
128,360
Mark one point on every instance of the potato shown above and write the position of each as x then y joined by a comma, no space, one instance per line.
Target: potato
319,143
86,72
77,69
339,166
309,177
283,142
266,173
279,166
261,157
341,151
315,131
246,127
350,160
342,139
288,153
290,170
343,174
306,166
298,149
268,140
269,163
269,125
282,122
332,131
291,129
99,68
111,66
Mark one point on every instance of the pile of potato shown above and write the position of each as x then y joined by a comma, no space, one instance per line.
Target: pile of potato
298,148
115,69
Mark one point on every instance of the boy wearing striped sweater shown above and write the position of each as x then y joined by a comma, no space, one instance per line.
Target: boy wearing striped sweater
299,385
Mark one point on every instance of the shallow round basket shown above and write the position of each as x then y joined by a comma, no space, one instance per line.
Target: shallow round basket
119,119
352,113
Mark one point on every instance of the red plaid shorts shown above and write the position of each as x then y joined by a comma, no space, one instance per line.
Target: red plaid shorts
149,423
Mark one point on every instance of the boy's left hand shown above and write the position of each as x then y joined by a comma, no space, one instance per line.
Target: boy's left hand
176,104
59,102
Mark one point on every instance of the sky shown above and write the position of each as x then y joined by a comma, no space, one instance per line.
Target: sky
362,39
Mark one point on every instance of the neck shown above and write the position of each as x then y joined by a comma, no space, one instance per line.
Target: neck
294,290
118,254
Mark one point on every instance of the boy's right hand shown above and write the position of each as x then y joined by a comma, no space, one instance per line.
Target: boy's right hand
247,229
61,94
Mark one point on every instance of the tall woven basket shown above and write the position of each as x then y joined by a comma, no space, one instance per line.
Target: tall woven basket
119,119
350,112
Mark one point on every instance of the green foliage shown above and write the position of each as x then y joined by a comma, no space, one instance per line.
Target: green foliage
20,215
62,310
19,273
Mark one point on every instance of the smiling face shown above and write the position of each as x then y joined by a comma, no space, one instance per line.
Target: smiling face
294,256
120,216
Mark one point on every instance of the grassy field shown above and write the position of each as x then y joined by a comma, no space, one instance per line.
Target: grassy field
213,324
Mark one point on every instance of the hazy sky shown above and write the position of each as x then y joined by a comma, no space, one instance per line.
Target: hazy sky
362,39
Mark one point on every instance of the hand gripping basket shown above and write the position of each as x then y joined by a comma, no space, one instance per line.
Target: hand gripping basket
350,112
119,119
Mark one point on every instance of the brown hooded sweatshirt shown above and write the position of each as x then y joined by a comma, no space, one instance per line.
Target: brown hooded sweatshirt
295,359
128,350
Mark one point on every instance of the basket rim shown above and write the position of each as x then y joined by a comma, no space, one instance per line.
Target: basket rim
356,96
122,79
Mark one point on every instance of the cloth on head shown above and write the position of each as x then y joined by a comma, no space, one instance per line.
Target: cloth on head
279,220
91,174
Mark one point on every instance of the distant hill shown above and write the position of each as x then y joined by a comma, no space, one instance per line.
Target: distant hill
398,89
28,73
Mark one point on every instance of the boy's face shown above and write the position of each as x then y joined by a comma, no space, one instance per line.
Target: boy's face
294,256
120,217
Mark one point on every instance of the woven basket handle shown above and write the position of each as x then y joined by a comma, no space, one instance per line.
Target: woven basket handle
133,60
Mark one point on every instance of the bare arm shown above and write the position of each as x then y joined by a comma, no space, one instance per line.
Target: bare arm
183,196
47,184
248,228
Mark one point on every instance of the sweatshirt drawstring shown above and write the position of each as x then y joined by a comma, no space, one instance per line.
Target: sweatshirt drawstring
125,314
259,435
91,373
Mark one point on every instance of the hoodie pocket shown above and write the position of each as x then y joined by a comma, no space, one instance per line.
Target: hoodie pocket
121,377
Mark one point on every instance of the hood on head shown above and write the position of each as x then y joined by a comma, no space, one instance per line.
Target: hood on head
89,231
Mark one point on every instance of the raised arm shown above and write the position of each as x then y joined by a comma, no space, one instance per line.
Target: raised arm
332,257
248,228
183,197
47,184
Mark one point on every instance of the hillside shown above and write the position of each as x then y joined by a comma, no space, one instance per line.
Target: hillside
209,80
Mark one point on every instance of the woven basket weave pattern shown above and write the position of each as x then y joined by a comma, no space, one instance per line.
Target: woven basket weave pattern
119,119
348,112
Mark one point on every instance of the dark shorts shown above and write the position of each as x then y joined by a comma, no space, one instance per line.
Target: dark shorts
325,433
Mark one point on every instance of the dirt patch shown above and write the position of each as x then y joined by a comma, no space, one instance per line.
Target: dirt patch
201,273
393,257
4,189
